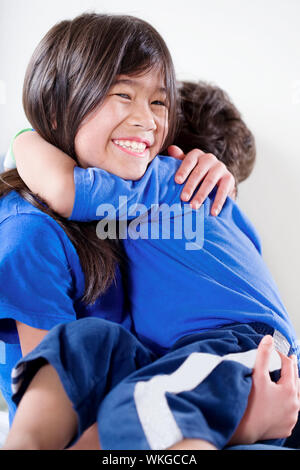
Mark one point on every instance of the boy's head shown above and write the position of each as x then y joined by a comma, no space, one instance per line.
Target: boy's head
208,120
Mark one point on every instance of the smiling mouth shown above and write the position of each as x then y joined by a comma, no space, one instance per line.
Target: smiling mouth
132,147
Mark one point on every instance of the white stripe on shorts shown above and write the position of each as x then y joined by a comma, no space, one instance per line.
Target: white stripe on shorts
157,420
15,378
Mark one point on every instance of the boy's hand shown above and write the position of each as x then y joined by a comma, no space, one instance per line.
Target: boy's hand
273,408
198,166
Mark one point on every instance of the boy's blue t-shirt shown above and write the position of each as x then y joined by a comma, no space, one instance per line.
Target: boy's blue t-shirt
212,275
42,282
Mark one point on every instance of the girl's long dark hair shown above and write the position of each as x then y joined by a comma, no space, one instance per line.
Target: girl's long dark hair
98,258
68,77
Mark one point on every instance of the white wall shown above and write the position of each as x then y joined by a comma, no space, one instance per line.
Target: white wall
249,48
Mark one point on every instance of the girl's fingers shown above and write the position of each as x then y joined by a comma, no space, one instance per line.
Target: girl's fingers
232,193
197,176
224,189
198,167
176,152
215,177
190,161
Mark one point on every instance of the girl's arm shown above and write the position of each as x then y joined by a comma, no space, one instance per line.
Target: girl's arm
46,170
49,173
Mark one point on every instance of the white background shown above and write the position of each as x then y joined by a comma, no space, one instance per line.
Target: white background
250,48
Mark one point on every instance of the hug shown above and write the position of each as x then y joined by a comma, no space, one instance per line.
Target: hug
137,342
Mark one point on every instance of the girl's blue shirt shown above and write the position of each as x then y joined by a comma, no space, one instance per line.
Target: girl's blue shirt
42,282
175,288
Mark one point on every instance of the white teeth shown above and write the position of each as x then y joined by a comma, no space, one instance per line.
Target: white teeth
139,147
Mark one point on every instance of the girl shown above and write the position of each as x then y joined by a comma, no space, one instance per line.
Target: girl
54,270
123,136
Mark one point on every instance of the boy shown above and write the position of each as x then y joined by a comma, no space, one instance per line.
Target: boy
210,121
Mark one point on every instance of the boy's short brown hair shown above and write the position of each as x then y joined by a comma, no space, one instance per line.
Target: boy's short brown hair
208,120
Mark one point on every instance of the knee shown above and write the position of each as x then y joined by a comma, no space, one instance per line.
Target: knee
91,330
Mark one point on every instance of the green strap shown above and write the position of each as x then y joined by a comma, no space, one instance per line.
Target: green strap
11,153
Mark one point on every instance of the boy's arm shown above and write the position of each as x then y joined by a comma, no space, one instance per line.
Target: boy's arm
46,170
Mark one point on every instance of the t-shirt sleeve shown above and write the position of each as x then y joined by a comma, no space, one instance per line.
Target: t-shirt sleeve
10,161
35,278
101,194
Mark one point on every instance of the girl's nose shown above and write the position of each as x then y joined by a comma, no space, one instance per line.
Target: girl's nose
142,116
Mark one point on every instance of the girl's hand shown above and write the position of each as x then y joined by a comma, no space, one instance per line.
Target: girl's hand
199,167
273,408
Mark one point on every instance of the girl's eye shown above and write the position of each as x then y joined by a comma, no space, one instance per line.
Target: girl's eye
123,95
159,103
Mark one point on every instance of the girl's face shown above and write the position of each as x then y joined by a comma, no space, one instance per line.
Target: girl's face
128,130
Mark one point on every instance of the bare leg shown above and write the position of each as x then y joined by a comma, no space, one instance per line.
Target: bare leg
193,444
88,441
45,418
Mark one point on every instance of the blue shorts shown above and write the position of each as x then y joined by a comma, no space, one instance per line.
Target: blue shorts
91,356
199,389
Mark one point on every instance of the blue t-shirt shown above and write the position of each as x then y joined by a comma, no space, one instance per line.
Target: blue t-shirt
210,274
42,282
